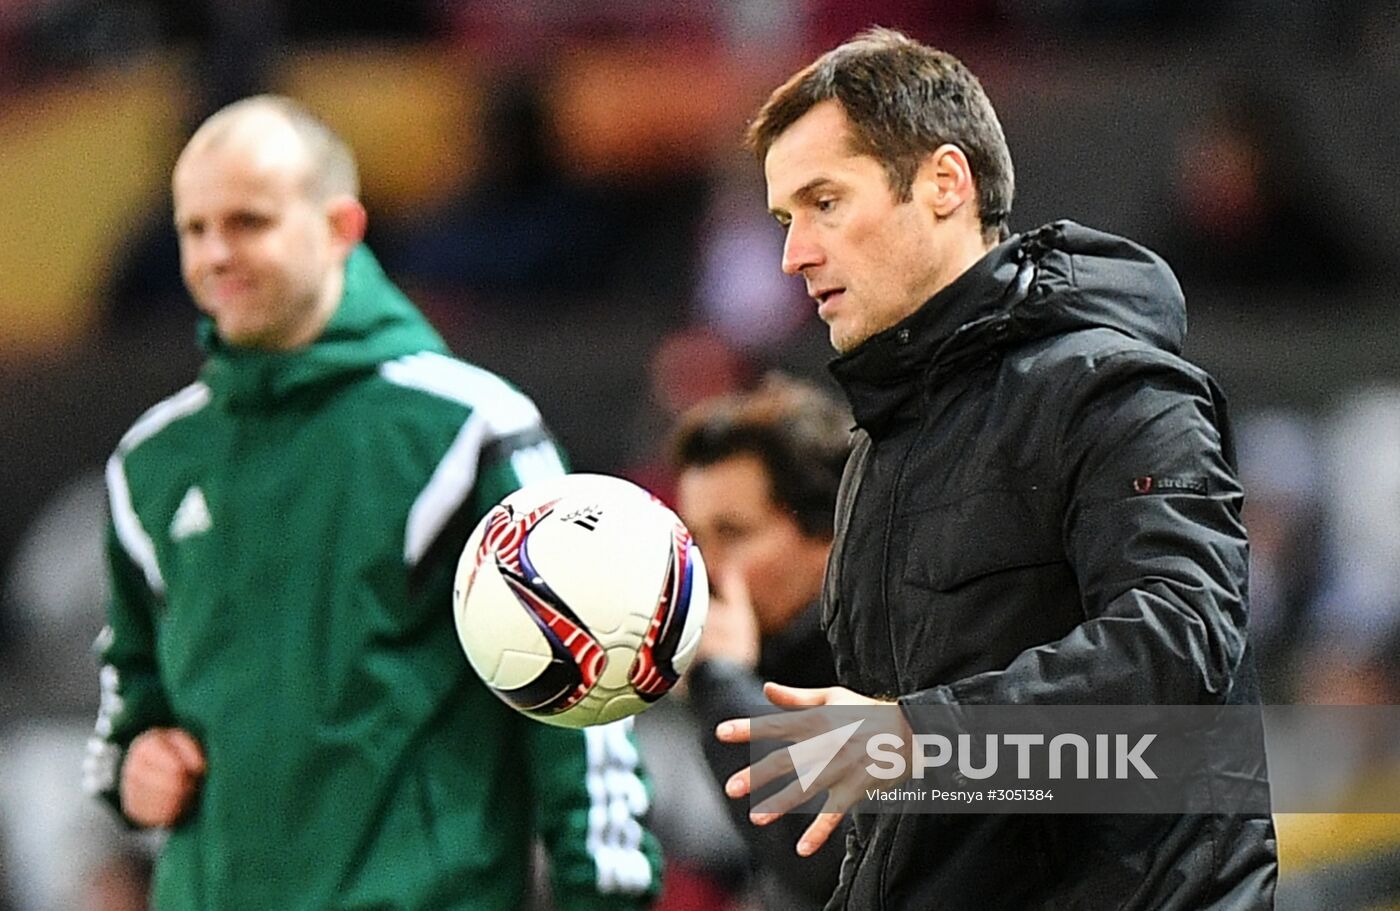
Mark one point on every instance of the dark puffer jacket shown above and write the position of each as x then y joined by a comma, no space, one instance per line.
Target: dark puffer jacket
1043,507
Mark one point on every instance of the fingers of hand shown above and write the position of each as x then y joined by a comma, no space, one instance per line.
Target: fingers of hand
818,833
767,769
794,726
845,778
771,767
739,783
795,696
775,805
165,751
731,631
156,801
188,749
735,730
736,588
160,776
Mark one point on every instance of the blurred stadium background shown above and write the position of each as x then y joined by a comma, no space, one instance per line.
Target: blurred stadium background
560,186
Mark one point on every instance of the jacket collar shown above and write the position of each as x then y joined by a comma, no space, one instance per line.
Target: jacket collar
881,374
373,323
1059,278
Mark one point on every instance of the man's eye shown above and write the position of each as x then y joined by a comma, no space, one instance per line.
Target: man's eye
730,534
826,205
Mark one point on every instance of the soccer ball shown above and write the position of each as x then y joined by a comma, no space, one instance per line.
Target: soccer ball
579,600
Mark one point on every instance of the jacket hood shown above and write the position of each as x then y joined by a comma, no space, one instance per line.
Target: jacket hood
373,323
1091,279
1059,278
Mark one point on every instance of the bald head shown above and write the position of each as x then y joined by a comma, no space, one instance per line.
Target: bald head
267,216
278,133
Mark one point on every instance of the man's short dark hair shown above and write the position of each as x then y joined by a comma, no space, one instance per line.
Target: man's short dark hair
904,100
800,434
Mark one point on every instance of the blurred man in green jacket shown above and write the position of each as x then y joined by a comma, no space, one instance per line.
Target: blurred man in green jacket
282,686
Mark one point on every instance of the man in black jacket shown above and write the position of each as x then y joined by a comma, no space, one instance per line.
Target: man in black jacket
1042,506
756,485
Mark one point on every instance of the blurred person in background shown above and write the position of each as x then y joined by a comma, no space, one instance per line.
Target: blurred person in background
1279,467
1251,207
58,850
757,477
1042,506
282,687
1337,640
1355,619
1348,859
522,229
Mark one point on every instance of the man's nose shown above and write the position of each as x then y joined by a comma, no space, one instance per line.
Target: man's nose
212,248
800,249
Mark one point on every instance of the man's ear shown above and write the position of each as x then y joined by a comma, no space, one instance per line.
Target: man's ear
348,221
944,181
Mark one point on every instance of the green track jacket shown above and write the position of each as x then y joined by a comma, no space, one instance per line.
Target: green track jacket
283,538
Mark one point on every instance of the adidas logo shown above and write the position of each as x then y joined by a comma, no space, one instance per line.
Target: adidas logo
586,518
191,517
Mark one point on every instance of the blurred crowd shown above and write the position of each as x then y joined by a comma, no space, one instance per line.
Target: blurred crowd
593,233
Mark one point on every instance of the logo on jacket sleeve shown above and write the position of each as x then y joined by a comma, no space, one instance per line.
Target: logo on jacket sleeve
1159,484
191,516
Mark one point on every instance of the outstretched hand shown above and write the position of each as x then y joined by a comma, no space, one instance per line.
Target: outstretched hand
846,777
